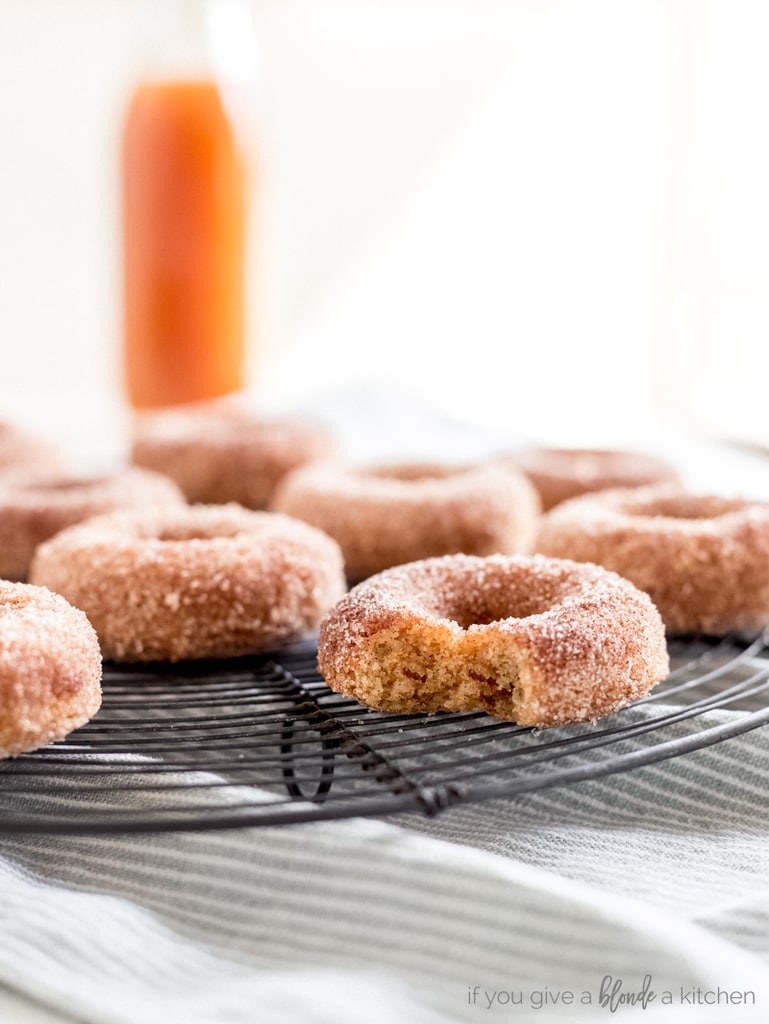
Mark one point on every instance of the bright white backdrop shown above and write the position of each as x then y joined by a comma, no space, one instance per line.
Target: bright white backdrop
521,210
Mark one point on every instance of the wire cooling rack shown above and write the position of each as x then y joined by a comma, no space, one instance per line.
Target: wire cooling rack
263,741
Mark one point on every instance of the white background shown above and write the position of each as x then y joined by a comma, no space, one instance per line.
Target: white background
542,217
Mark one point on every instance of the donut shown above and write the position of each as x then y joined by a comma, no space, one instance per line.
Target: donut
50,668
387,515
532,640
221,454
194,582
36,504
19,448
563,473
703,559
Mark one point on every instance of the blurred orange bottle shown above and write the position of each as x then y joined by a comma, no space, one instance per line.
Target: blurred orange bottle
184,215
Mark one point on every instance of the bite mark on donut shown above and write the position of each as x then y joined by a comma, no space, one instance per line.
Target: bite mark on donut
537,641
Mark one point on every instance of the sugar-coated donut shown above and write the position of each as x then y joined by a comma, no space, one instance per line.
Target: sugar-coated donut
195,582
563,473
36,504
221,453
533,640
703,560
388,515
20,448
50,668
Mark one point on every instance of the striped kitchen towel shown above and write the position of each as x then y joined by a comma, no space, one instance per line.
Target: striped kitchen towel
635,897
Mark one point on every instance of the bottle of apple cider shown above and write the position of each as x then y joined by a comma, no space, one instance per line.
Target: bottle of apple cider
184,219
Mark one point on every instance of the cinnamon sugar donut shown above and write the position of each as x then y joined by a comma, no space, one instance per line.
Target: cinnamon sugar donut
220,454
50,668
563,473
703,560
533,640
19,448
196,582
36,504
388,515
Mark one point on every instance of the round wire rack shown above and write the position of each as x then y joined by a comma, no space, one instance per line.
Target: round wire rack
263,741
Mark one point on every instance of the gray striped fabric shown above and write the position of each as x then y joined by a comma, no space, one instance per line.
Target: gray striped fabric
661,872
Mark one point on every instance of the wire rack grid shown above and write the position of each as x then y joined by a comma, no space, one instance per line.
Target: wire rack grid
263,741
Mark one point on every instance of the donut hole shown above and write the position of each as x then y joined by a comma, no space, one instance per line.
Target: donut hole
415,473
176,532
484,607
60,485
684,507
579,460
486,615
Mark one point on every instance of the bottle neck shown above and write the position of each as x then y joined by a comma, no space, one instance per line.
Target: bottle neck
176,39
204,41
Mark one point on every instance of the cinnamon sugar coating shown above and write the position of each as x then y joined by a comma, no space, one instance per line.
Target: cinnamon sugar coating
35,504
388,515
703,560
221,453
50,668
537,641
563,473
194,582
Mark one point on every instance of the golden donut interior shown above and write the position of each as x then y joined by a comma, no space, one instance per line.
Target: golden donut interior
454,672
